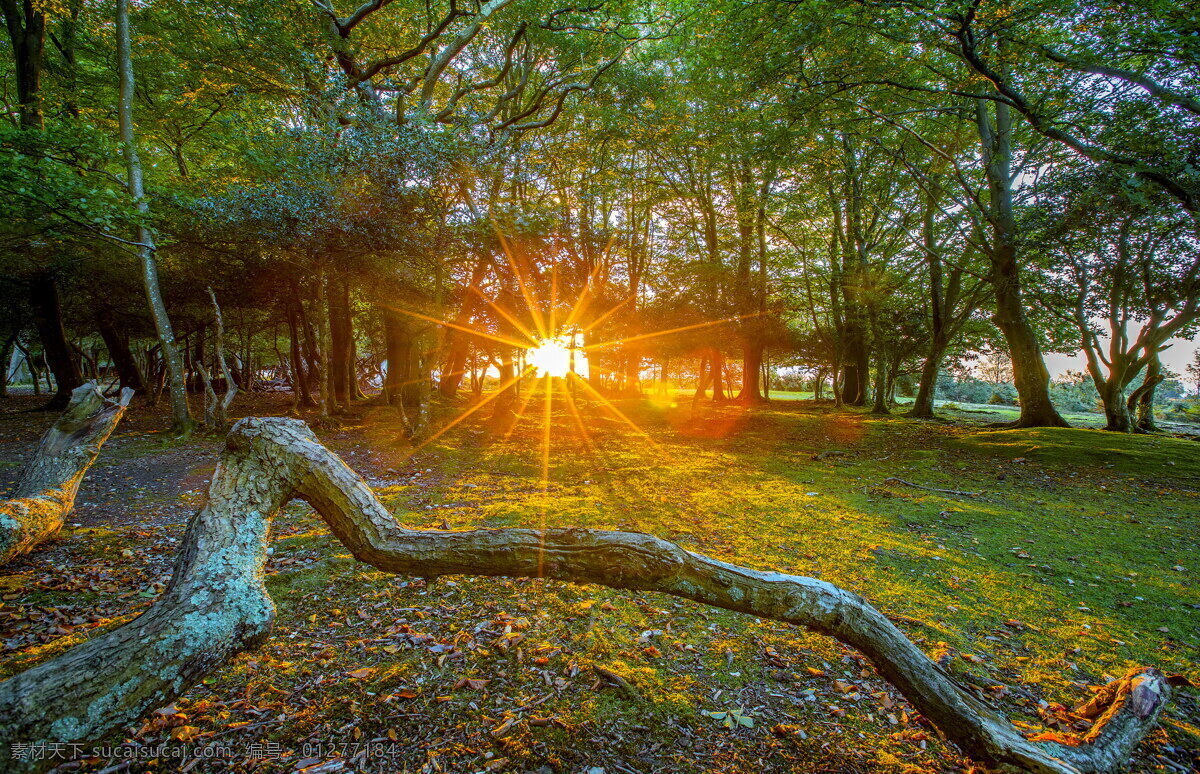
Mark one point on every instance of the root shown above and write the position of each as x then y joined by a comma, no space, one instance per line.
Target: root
216,605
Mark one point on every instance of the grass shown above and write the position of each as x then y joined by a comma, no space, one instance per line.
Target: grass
1060,568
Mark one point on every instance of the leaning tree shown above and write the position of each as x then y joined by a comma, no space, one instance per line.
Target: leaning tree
217,604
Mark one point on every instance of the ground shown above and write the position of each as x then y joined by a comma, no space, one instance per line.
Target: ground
1058,559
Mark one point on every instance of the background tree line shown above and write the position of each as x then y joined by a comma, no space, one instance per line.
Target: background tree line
873,193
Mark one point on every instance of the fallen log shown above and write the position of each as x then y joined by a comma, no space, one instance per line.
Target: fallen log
216,605
46,490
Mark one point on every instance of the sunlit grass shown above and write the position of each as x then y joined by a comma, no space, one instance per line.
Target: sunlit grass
1039,576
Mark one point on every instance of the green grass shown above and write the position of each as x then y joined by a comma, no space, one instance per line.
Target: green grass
1058,568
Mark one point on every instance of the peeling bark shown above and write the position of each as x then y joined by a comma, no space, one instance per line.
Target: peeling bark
216,605
45,494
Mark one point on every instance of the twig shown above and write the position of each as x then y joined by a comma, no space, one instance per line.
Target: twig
894,480
617,680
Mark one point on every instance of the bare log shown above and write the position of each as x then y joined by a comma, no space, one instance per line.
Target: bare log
216,605
46,491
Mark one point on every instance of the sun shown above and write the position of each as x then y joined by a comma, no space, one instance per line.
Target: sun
550,357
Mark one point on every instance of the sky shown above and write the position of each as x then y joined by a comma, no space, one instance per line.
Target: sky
1176,358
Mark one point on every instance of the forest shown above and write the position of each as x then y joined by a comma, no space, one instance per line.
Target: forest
630,386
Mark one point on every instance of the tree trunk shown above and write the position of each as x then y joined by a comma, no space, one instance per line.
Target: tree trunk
716,364
339,364
927,387
311,347
855,367
1030,376
6,357
324,399
45,493
631,377
879,405
180,413
47,317
405,385
27,35
458,344
703,378
752,360
216,605
216,410
1141,400
297,371
120,354
1116,411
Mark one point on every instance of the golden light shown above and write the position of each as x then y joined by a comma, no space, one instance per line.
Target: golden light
550,357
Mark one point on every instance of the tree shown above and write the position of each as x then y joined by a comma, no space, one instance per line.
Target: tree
1129,266
180,412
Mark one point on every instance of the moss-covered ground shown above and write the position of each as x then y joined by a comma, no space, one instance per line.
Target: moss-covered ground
1055,560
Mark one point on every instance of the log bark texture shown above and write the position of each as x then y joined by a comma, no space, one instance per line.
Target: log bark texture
46,491
216,605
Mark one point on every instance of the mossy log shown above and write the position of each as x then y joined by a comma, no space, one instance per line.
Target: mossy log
46,490
217,604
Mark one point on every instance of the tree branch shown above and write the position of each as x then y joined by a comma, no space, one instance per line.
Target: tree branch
216,605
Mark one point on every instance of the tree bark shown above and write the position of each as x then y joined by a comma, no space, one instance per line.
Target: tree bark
716,364
458,343
27,35
47,318
298,371
1116,410
752,361
339,330
120,354
325,402
311,347
1141,400
406,383
216,410
45,493
180,413
923,403
217,605
6,353
1030,375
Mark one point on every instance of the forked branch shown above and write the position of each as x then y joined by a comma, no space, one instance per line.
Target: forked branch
217,605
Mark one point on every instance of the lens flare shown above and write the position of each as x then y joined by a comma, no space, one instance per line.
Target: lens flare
550,357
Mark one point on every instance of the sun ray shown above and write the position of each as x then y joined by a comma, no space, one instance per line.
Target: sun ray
547,407
520,412
606,315
607,403
456,326
585,296
534,311
547,417
468,412
553,299
511,318
682,328
569,399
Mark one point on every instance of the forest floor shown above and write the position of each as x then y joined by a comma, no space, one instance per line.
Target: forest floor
1063,558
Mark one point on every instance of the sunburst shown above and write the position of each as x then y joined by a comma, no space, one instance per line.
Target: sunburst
555,356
